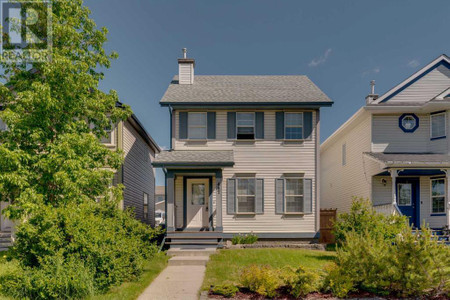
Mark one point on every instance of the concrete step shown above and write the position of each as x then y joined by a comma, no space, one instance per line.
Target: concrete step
4,234
188,260
191,252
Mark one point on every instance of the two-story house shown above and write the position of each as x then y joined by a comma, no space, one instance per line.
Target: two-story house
244,155
395,151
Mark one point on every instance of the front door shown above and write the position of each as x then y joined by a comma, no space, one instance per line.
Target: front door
408,199
197,203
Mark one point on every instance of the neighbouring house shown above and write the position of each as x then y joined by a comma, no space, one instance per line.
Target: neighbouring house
395,151
244,155
136,174
160,204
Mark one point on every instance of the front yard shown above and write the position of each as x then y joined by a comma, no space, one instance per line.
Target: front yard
228,264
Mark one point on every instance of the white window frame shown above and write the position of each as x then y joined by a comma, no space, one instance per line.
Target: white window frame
238,195
398,194
249,126
431,125
285,196
146,215
197,126
440,196
113,134
294,126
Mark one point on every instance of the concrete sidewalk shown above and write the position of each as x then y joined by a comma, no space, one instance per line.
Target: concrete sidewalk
176,282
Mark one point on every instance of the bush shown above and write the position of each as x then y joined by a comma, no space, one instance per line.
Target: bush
227,290
300,282
244,239
262,280
112,245
362,217
338,282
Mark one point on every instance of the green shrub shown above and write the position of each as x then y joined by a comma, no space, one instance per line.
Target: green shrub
300,282
244,239
112,245
338,282
362,217
260,279
227,290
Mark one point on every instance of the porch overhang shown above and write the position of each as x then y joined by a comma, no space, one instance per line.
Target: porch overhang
198,159
405,161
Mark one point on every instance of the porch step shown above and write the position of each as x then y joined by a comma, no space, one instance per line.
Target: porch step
188,260
5,240
173,251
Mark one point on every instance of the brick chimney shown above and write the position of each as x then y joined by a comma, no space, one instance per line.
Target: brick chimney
186,69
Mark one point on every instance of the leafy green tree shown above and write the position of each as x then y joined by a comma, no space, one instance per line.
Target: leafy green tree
56,114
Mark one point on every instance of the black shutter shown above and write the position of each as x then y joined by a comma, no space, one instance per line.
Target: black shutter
307,125
231,196
280,125
279,196
259,116
183,125
259,199
231,125
307,197
211,125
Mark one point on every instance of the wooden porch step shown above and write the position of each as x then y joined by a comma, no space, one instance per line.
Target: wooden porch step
188,237
191,243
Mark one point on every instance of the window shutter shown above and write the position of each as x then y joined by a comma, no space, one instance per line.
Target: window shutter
279,125
211,123
183,125
231,118
307,125
259,202
259,116
279,196
231,196
307,197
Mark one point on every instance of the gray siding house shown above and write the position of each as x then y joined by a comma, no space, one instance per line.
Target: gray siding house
244,155
395,151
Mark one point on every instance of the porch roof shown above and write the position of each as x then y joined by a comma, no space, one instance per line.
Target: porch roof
196,158
411,160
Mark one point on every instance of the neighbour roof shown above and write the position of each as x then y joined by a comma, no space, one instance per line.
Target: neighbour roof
411,160
225,89
194,158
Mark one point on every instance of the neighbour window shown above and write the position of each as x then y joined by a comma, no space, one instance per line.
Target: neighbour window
344,154
293,195
293,126
438,125
197,125
404,194
245,123
438,195
145,206
198,194
245,195
109,138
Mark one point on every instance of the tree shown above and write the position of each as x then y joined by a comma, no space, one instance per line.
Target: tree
56,114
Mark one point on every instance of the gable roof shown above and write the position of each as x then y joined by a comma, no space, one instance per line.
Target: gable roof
242,89
435,90
194,158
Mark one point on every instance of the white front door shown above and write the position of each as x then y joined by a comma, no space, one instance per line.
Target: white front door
197,203
5,223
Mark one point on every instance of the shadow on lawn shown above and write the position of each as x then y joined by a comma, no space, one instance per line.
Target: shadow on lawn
329,258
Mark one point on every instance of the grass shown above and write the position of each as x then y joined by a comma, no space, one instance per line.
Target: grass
228,264
132,290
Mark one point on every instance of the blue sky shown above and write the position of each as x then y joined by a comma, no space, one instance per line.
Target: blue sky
341,45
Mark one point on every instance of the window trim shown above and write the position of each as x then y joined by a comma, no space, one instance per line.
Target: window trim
146,215
431,197
237,196
254,125
197,126
432,138
291,126
113,134
284,196
398,194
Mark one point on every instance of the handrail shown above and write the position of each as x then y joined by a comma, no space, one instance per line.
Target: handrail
162,244
397,209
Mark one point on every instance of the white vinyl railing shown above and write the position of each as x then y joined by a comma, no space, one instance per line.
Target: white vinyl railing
387,209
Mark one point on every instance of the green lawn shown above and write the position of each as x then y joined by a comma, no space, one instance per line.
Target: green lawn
131,290
227,264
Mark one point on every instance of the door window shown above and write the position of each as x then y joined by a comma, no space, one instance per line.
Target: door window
198,194
404,194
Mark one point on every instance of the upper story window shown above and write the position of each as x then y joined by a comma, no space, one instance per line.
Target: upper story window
145,206
438,126
438,195
197,125
293,126
109,138
245,126
408,122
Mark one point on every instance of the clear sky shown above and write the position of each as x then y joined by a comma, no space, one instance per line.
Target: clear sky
340,44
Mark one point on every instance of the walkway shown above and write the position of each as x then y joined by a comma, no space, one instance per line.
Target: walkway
176,282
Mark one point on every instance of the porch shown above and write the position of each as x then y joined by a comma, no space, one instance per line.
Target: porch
414,185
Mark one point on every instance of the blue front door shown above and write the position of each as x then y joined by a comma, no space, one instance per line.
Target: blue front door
408,199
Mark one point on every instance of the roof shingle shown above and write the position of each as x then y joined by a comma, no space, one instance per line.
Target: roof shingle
194,158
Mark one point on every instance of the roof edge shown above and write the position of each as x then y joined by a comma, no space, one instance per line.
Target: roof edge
228,104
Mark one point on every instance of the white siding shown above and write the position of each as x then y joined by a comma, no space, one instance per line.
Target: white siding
186,73
382,192
138,173
339,184
269,159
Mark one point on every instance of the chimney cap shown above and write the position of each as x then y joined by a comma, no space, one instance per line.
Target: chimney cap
186,60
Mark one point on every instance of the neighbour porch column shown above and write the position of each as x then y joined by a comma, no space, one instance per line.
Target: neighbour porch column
219,226
170,198
394,174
